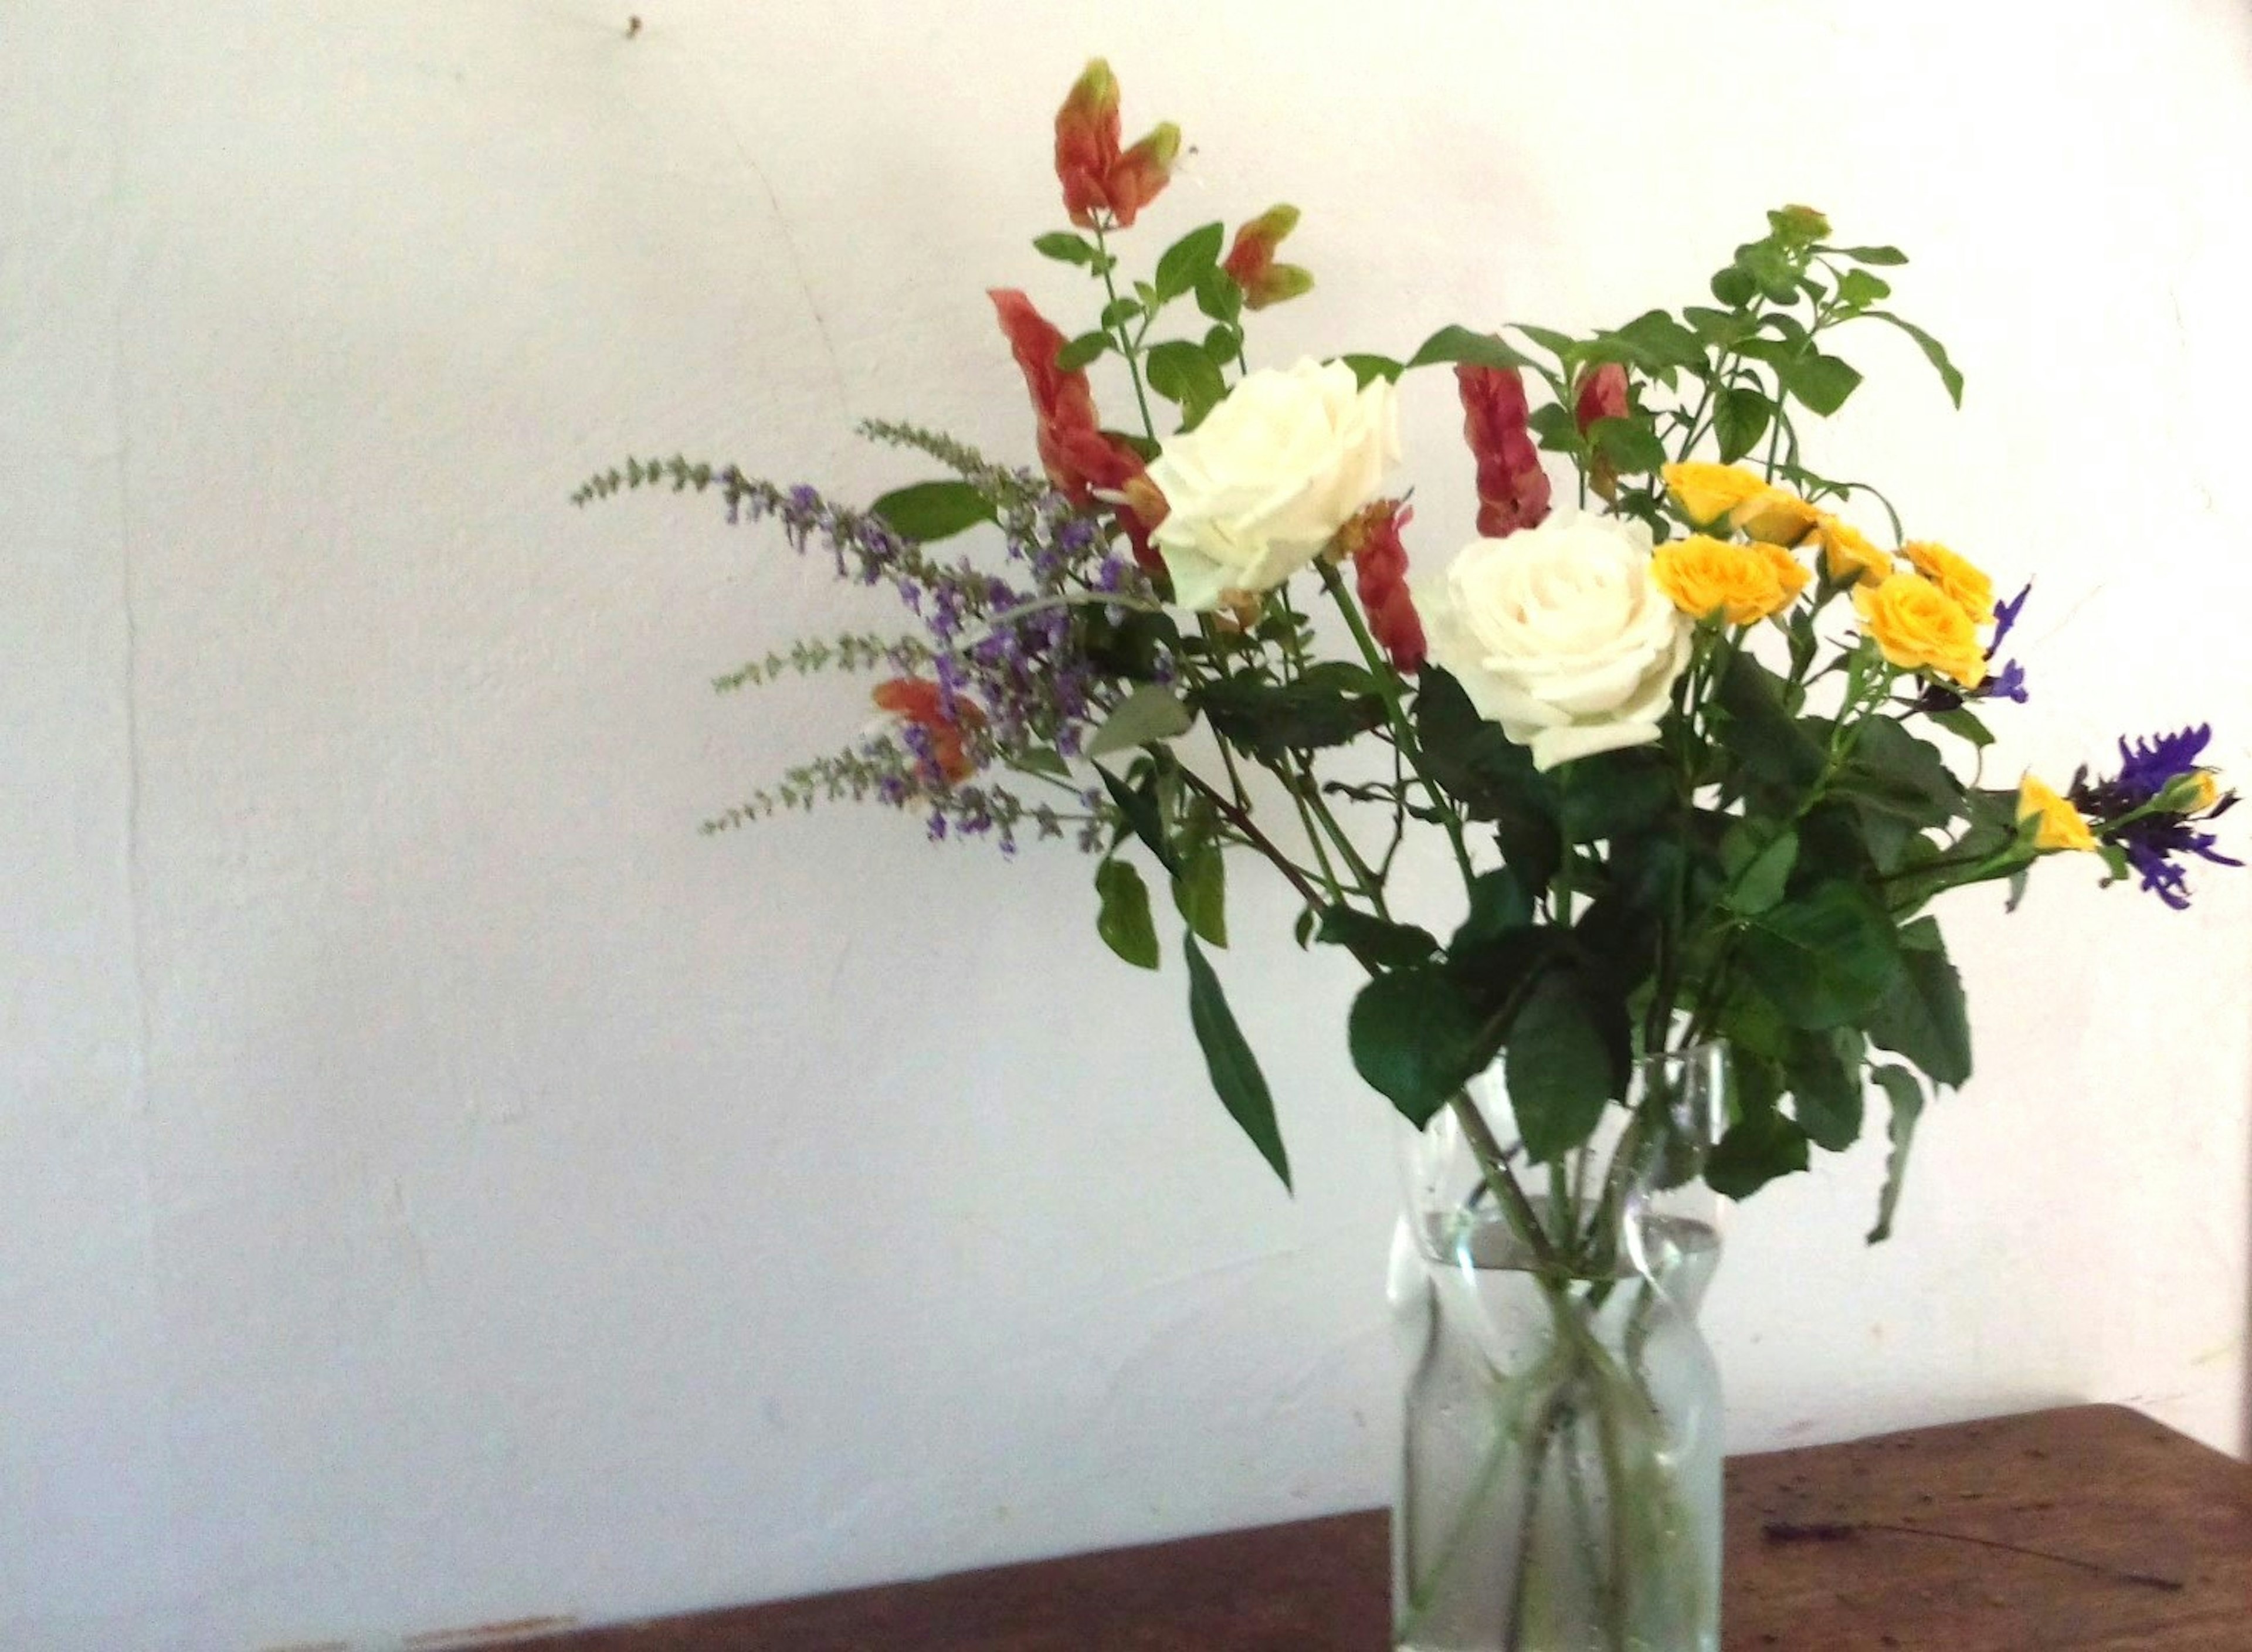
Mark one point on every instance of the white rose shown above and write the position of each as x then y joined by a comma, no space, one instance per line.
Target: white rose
1559,634
1254,492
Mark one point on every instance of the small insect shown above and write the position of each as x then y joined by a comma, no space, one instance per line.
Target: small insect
633,27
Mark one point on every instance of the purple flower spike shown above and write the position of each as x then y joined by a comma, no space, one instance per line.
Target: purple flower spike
2154,843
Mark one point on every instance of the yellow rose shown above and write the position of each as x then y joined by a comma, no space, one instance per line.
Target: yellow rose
1705,493
1704,576
1972,591
1776,515
1846,554
2061,826
1917,625
1790,575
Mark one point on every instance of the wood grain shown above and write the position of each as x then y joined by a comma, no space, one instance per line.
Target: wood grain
1884,1543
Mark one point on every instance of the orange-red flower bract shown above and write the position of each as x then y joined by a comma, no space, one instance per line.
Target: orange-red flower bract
1096,178
915,700
1250,261
1078,456
1603,395
1379,563
1513,490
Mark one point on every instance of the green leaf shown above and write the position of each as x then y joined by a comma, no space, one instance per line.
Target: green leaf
932,510
1740,419
1222,341
1081,352
1757,885
1733,287
1758,1149
1723,327
1217,294
1622,928
1771,270
1771,748
1924,1017
1180,265
1559,432
1151,713
1134,646
1417,1038
1065,247
1041,759
1868,254
1613,793
1200,892
1657,341
1138,803
1825,958
1122,920
1822,382
1489,776
1119,311
1326,706
1559,345
1460,345
1825,1092
1963,724
1366,367
1907,1098
1891,770
1858,289
1376,941
1560,1065
1181,372
1498,904
1630,444
1234,1071
1934,351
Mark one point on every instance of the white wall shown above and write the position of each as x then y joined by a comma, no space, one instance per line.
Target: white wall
438,1186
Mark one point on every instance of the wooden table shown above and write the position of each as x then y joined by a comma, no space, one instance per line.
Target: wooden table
2092,1527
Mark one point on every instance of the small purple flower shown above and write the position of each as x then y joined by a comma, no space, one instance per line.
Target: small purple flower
2007,683
2123,811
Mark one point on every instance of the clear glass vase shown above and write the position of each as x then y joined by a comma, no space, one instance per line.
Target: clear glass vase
1561,1479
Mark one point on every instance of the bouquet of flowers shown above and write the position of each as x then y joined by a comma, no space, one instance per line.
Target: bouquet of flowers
1705,742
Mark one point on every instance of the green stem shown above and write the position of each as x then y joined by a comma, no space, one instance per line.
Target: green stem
1387,686
1493,1165
1126,347
1242,820
1372,886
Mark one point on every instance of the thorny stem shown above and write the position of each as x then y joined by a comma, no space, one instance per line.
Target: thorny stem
1387,686
1259,840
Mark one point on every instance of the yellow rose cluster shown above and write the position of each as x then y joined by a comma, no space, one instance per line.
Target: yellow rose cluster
1925,617
1741,583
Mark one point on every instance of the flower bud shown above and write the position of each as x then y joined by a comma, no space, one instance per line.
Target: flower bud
1798,226
1250,261
2191,794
